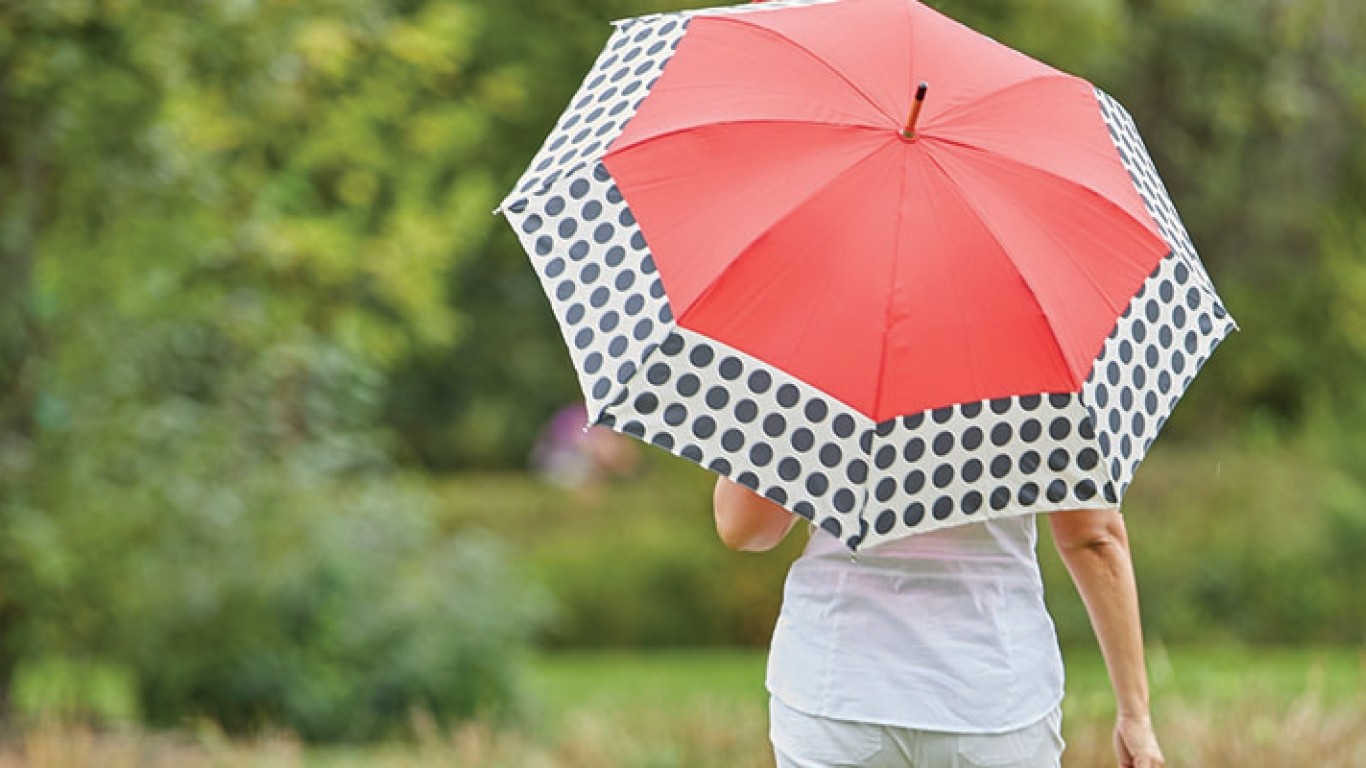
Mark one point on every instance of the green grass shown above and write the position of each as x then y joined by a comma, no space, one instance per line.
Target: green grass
565,681
568,682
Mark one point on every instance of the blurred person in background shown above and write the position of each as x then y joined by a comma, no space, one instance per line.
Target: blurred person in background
570,454
937,651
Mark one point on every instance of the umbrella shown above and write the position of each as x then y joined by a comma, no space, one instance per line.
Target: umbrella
866,261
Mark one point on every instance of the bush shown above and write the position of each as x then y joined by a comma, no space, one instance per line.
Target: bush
637,566
243,549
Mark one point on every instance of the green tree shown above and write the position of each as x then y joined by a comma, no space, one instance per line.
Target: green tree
222,221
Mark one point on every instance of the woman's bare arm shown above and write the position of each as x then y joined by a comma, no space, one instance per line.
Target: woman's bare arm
747,521
1094,545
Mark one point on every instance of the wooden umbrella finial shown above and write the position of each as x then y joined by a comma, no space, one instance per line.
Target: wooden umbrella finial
908,132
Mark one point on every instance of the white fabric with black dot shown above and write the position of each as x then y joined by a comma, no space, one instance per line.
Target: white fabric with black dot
861,481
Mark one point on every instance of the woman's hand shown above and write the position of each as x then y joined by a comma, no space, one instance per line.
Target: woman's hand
1136,743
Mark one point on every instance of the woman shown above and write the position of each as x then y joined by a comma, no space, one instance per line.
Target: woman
937,651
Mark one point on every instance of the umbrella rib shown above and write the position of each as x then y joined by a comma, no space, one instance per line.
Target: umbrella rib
953,111
717,279
644,140
814,57
891,298
1016,163
986,226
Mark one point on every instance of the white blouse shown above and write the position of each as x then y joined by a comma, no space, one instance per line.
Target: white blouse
943,631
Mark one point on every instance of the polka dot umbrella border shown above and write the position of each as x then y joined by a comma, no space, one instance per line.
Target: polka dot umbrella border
863,482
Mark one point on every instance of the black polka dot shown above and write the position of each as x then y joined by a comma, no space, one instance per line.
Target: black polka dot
760,454
1000,466
730,369
914,514
844,500
658,374
1058,459
704,427
816,411
1000,498
943,507
831,455
843,425
718,397
1060,428
688,384
774,425
1086,490
972,470
733,440
675,414
1001,434
972,438
746,411
886,456
971,503
885,522
1057,491
886,489
817,484
857,472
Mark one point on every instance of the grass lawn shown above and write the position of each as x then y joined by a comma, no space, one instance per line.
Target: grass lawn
638,681
1277,708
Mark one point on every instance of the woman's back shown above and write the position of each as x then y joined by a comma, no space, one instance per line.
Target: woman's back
943,631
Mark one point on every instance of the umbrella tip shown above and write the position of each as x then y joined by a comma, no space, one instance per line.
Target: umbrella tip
908,131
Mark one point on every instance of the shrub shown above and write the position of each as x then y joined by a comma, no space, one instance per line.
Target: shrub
247,554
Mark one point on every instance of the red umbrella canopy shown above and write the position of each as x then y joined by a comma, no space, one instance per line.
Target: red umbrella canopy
791,216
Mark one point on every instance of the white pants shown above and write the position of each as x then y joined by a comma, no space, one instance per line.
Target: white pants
806,741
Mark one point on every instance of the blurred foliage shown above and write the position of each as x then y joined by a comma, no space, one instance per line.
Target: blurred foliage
248,274
221,222
636,565
1230,546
